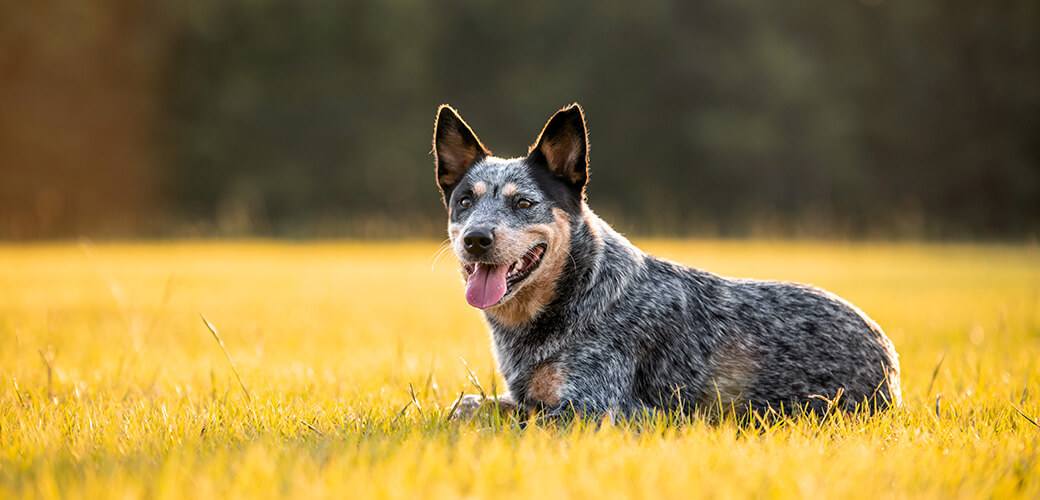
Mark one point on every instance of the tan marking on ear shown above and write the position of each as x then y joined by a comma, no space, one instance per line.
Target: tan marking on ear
734,367
563,150
456,158
479,188
540,287
546,382
509,189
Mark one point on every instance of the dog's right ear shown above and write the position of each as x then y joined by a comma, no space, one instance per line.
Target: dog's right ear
564,146
455,149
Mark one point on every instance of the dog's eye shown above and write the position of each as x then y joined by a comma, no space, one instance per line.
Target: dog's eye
465,202
523,204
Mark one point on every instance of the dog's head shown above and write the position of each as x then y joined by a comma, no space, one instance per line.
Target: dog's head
510,220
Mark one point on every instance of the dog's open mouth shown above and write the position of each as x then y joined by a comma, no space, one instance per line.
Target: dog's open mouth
488,283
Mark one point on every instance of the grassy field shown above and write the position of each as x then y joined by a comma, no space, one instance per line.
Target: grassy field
114,387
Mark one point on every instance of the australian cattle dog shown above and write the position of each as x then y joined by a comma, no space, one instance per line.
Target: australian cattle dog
585,323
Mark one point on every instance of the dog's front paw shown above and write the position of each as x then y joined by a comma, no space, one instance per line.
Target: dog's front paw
467,406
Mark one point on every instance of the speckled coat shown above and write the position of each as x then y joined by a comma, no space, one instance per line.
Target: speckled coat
591,324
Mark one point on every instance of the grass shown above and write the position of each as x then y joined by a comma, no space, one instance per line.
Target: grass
349,354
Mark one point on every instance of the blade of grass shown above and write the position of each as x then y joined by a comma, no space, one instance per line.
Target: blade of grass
311,427
1027,417
935,373
216,336
455,405
415,401
473,378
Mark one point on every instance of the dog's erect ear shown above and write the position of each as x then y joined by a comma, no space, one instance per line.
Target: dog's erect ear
455,148
564,145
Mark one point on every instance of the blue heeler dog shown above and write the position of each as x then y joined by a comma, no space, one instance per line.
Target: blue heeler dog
584,322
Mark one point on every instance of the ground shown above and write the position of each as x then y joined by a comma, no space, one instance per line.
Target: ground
349,355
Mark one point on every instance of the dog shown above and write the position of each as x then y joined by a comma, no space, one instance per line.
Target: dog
585,323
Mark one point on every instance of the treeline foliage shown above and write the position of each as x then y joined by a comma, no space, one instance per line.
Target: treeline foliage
720,117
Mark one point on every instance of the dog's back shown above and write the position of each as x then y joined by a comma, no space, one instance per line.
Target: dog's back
759,344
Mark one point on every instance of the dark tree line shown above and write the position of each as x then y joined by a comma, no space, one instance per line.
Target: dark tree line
733,117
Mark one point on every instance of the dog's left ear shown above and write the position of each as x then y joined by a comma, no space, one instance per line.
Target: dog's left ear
564,145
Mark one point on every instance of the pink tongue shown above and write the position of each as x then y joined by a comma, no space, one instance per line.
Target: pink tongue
486,285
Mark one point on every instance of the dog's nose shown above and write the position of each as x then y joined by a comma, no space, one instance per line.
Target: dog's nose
478,241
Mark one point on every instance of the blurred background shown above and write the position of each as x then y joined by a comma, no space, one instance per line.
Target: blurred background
312,118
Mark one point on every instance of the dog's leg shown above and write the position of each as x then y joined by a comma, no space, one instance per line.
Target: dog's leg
468,405
594,388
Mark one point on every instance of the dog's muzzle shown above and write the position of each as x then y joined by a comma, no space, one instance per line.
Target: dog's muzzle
478,241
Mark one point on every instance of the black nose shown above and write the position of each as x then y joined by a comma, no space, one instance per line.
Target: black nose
478,241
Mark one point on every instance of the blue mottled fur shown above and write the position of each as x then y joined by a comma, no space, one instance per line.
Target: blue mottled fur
600,327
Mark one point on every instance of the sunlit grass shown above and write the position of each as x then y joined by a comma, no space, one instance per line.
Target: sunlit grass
113,386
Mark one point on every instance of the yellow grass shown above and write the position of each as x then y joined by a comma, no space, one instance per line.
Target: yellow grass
328,338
